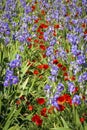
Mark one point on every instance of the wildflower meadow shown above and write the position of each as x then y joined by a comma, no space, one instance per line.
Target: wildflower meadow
43,64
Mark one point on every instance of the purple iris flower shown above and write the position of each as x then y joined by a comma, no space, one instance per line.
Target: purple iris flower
76,100
54,70
53,41
60,87
47,87
80,59
49,50
71,87
82,77
73,39
52,78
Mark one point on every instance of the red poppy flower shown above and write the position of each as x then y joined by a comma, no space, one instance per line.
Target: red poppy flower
68,99
65,74
40,66
82,119
44,112
61,100
43,26
55,61
40,101
33,7
40,36
36,41
60,65
30,107
45,66
42,47
29,39
85,32
64,68
41,33
36,72
37,119
57,26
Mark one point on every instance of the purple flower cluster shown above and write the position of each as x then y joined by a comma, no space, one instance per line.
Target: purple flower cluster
10,78
76,100
71,87
82,77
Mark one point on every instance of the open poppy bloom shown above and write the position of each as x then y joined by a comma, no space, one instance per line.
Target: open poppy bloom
36,118
61,100
45,66
40,101
64,99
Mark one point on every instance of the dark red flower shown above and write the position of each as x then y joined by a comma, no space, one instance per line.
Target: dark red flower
60,65
45,66
61,107
82,119
55,61
40,101
42,47
85,32
64,68
33,7
68,99
57,26
43,26
65,74
40,36
44,112
29,39
22,97
37,119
